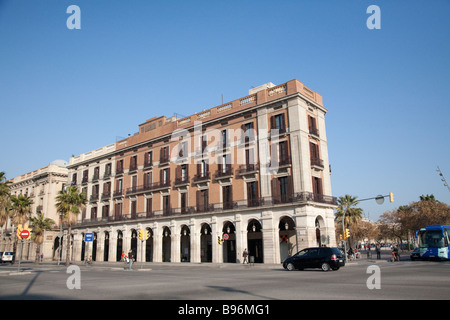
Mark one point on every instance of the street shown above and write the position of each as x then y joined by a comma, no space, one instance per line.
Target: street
164,281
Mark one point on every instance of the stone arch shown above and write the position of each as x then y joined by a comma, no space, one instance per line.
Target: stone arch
166,244
185,243
287,237
255,241
229,246
205,242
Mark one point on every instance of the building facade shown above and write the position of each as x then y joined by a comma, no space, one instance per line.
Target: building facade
42,187
249,174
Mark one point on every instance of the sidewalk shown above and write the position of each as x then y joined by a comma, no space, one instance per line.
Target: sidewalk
148,266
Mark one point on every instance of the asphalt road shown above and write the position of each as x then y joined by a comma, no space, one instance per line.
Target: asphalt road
164,281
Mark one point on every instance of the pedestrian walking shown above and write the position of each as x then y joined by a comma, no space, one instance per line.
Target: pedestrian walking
130,259
378,249
244,255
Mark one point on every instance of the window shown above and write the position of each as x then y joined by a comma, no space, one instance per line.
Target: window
164,155
203,168
149,209
282,189
93,213
134,183
165,179
313,126
227,196
119,166
278,123
107,170
252,193
166,204
74,179
224,138
147,179
283,157
85,176
118,210
202,200
314,150
133,163
317,185
148,159
133,209
184,172
96,173
183,202
105,211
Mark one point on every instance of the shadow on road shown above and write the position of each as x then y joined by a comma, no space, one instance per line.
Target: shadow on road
232,290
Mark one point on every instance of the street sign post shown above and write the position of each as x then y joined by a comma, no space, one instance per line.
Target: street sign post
24,234
88,237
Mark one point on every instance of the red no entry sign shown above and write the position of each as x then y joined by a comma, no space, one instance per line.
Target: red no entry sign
24,234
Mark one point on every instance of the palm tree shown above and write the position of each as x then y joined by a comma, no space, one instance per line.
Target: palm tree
39,225
20,208
70,202
347,205
5,202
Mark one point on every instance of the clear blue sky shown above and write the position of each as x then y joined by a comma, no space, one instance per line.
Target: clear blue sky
66,92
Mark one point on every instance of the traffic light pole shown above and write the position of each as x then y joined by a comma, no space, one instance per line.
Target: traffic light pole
379,199
343,236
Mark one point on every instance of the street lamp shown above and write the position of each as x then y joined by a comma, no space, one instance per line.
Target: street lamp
443,178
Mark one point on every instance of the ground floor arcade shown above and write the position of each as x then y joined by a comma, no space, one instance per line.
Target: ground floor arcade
269,236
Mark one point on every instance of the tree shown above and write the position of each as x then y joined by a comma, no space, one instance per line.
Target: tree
19,211
402,223
70,202
5,202
20,208
347,205
39,225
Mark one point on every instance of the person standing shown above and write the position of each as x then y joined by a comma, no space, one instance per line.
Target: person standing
245,255
130,259
378,249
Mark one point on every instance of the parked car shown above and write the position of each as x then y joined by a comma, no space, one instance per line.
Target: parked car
324,257
415,254
8,257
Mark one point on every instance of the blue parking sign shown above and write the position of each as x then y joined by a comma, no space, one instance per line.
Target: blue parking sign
88,237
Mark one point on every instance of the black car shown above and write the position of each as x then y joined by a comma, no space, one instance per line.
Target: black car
324,257
415,254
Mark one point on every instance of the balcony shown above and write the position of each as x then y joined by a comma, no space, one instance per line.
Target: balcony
106,196
224,172
156,186
317,163
133,167
198,178
248,169
295,199
314,132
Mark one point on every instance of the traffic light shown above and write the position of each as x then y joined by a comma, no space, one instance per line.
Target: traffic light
341,237
219,240
141,234
146,234
347,233
391,197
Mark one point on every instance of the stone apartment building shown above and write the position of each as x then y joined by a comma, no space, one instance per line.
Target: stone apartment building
250,174
42,187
